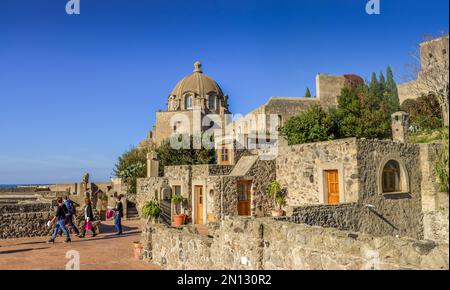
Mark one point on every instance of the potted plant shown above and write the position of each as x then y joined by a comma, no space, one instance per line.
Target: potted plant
151,211
277,194
178,217
138,250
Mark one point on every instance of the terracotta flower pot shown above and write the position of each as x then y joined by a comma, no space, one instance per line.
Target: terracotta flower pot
179,219
138,250
278,213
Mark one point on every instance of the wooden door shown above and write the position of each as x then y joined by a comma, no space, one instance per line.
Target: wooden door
244,191
332,177
199,201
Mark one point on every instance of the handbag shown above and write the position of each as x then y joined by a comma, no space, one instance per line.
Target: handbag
109,214
89,226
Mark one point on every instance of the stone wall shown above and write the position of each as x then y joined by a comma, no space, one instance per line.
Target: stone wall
148,189
165,122
340,216
357,217
300,168
24,220
18,190
435,204
251,244
262,173
399,214
229,198
328,88
287,108
220,191
219,169
435,48
173,248
24,208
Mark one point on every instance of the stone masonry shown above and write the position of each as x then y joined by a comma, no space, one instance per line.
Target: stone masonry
27,220
264,243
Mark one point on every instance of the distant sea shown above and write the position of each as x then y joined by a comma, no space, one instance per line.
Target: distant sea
8,185
16,185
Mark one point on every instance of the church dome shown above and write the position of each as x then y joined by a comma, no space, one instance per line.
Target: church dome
197,83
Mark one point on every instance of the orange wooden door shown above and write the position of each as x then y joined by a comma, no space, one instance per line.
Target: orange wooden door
199,199
244,190
332,186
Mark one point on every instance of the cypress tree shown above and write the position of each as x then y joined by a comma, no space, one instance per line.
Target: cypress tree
375,94
382,80
308,93
391,88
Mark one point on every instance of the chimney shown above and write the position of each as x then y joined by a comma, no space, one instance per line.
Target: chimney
152,165
400,125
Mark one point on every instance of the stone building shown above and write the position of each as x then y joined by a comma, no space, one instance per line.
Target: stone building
432,51
194,97
362,185
197,97
372,186
197,104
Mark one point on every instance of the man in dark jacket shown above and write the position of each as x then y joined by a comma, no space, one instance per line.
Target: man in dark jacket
69,217
60,217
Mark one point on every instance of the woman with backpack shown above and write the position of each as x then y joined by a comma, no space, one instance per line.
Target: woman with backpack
88,219
71,212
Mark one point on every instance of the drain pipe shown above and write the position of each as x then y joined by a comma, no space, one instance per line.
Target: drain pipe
221,198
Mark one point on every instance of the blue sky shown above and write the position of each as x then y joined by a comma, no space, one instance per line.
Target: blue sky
76,91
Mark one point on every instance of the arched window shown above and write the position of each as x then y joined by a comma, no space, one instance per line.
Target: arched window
391,177
212,102
188,102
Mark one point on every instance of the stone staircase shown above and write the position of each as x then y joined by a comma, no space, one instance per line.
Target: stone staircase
167,212
244,165
132,212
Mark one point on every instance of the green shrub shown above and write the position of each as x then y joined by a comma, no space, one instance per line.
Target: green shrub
131,166
312,125
441,167
425,113
363,111
276,192
169,156
176,200
151,210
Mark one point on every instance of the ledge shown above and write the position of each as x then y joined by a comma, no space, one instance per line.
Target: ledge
397,195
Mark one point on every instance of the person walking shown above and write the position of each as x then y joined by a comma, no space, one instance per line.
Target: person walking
118,214
60,217
71,211
88,218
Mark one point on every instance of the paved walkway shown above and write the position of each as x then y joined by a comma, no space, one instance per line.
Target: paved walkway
104,252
